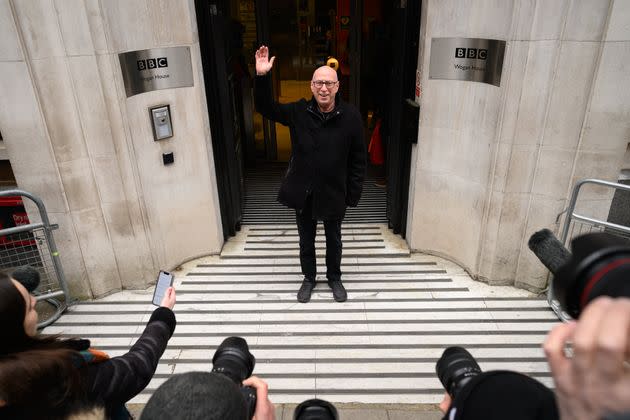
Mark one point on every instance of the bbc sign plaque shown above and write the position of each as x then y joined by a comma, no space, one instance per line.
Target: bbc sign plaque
470,59
157,68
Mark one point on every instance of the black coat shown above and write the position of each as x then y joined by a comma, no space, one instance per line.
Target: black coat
328,156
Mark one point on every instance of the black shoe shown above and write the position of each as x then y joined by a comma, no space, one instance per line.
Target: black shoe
339,292
304,294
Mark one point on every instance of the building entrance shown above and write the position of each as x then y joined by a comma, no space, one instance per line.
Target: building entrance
303,35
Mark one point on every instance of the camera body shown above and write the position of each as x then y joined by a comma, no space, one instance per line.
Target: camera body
233,359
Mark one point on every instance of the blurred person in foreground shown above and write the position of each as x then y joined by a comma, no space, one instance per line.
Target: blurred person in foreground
206,396
47,377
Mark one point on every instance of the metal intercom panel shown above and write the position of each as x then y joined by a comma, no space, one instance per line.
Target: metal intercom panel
161,119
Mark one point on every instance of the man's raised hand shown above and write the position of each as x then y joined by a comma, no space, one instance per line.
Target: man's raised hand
263,63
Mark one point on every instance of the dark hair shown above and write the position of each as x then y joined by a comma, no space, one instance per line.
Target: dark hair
196,396
39,376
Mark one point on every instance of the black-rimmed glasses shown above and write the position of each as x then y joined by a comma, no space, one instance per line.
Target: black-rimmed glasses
328,83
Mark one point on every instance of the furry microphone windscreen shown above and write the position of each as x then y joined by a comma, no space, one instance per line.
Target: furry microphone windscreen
28,276
549,250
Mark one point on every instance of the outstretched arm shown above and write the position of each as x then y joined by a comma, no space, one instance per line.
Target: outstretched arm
119,379
263,96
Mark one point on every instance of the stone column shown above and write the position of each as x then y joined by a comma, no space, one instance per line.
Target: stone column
493,165
75,140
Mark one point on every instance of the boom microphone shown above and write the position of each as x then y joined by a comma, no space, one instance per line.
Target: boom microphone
549,250
28,276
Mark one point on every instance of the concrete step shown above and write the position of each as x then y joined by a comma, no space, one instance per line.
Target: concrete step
379,347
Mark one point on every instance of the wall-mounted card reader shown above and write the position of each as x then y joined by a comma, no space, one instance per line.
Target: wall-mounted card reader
161,118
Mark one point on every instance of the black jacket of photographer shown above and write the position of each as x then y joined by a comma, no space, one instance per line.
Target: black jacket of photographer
328,156
114,382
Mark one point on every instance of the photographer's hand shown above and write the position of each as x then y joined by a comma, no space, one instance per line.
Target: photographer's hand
596,381
446,402
168,301
264,408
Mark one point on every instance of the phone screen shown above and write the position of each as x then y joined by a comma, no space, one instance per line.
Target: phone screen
164,281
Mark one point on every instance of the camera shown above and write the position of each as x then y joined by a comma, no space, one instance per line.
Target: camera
455,369
315,409
234,360
599,266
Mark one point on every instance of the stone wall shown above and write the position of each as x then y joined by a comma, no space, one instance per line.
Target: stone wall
495,164
76,140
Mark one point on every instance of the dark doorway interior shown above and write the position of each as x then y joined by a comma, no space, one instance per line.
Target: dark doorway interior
303,35
375,43
400,113
226,83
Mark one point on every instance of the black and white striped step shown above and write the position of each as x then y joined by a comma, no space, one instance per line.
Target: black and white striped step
261,208
378,347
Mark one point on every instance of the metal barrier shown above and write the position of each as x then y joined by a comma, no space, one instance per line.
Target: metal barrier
33,244
576,225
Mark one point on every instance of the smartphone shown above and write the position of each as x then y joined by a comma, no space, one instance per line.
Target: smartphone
164,281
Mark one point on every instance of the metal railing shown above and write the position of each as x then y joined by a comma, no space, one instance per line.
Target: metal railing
576,224
33,244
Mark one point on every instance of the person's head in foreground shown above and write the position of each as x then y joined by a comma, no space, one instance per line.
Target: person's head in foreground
196,395
38,375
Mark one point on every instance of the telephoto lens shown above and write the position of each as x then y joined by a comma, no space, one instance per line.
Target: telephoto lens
599,266
455,369
234,360
315,409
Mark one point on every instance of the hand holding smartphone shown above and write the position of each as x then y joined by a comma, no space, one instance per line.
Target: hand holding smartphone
164,281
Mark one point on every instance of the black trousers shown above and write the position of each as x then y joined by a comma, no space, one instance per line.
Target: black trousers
307,229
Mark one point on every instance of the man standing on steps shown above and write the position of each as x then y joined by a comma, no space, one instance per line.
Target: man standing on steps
326,168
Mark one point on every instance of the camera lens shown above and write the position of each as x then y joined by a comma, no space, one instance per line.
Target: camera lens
315,409
455,369
600,266
234,360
